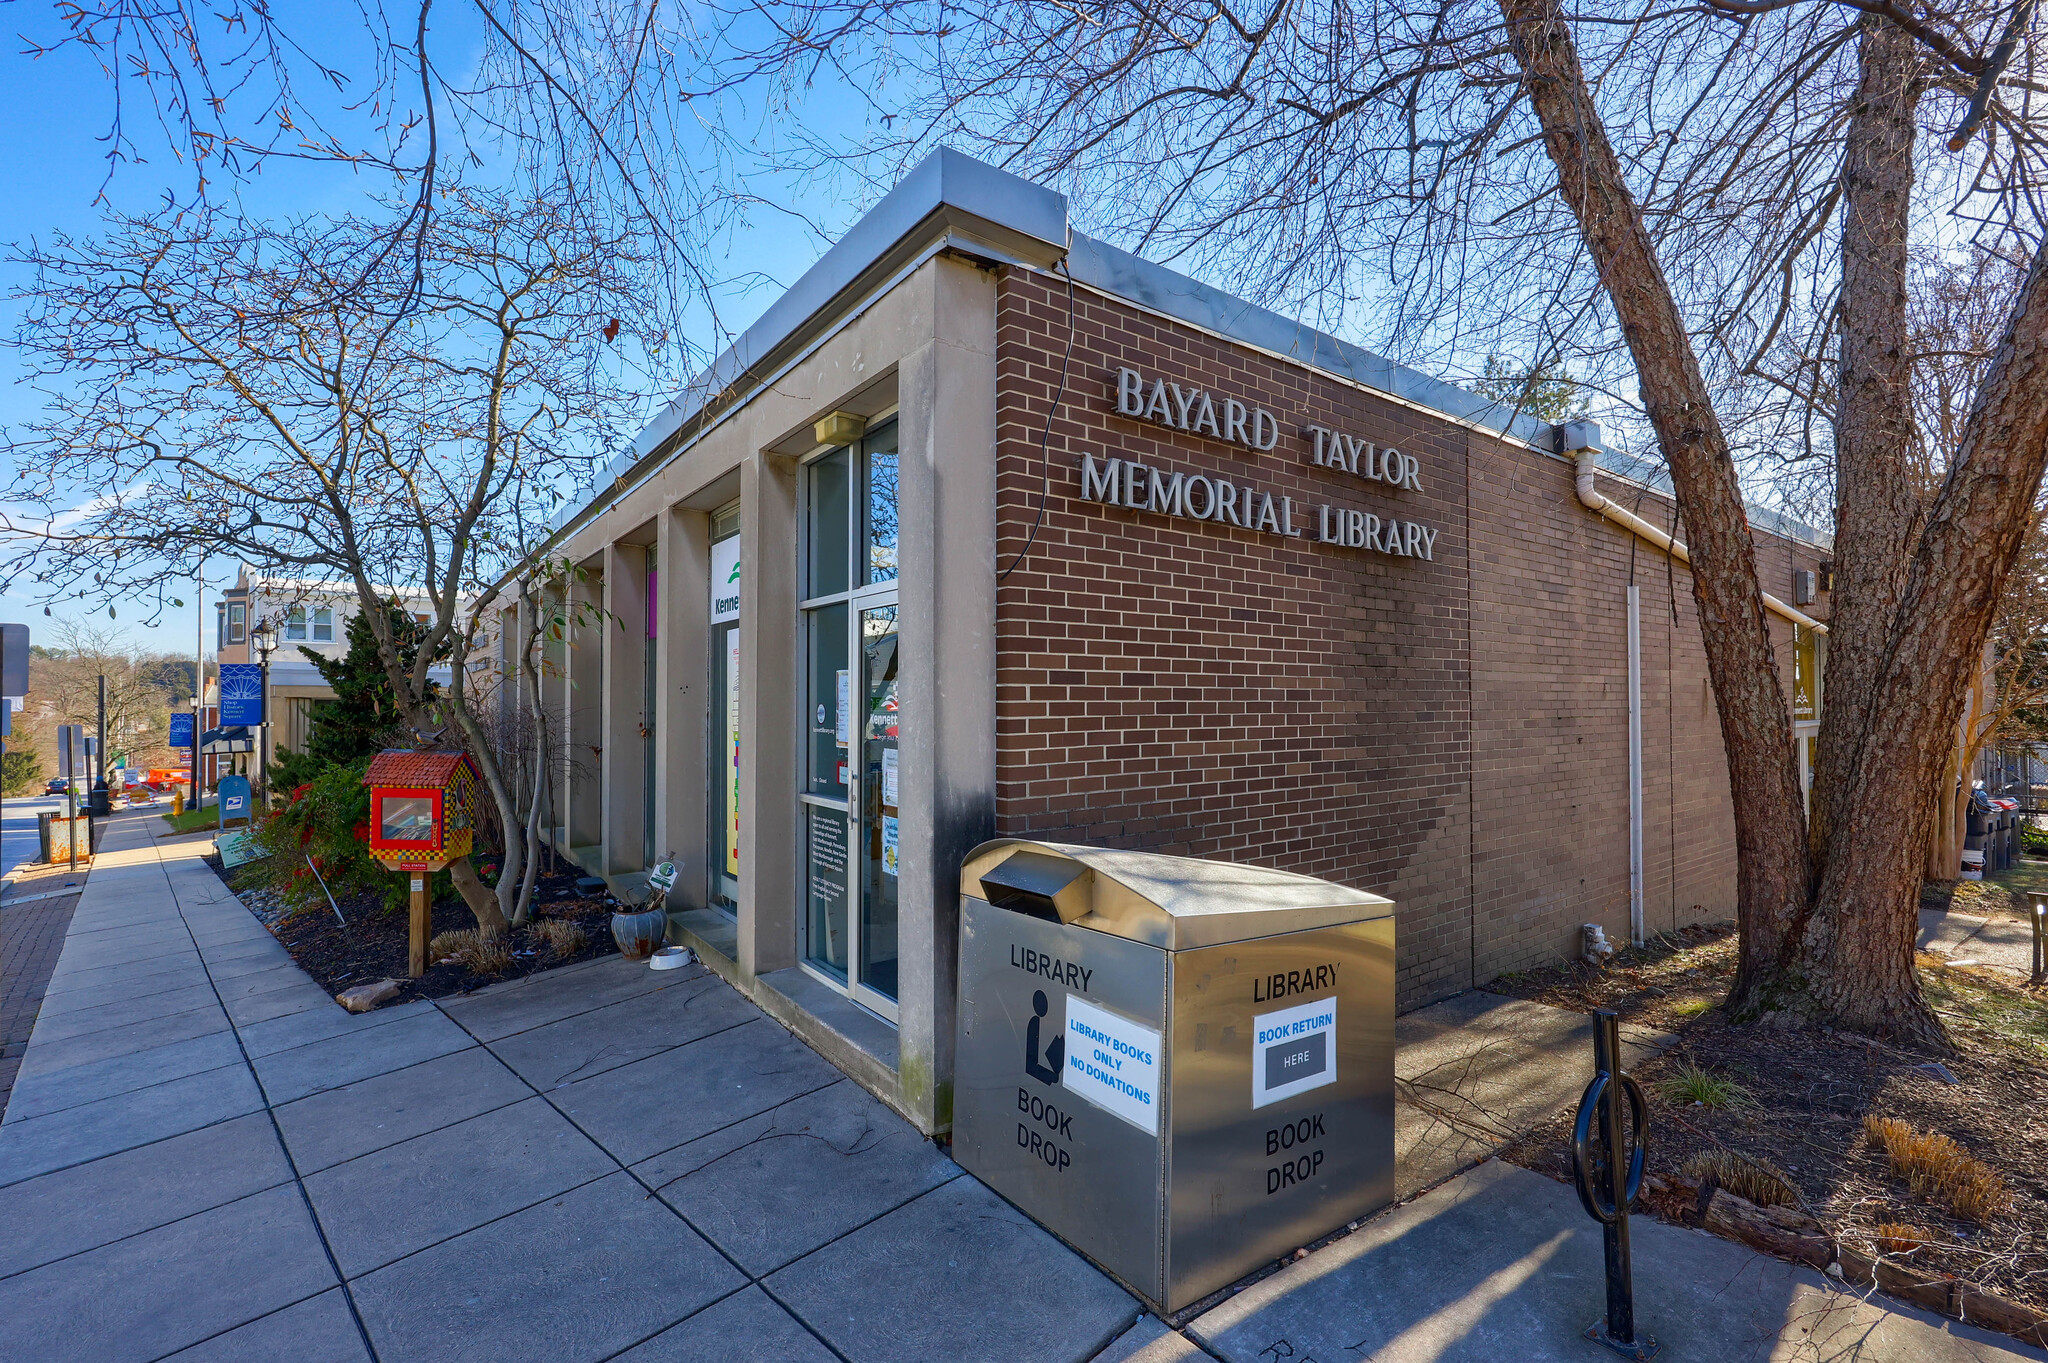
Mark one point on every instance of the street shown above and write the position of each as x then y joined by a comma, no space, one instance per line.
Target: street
18,829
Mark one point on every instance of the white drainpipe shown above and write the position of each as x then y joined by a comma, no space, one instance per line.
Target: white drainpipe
1635,765
1582,445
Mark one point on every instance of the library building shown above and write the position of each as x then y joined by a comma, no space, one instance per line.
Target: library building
990,530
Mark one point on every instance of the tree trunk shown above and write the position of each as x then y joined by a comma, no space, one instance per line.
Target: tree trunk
1772,864
481,898
1854,962
1877,505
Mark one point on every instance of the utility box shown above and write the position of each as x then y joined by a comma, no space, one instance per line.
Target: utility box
1183,1068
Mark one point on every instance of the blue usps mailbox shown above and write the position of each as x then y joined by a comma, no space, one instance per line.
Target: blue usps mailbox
234,800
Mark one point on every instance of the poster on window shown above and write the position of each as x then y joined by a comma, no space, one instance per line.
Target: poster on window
725,580
889,777
889,844
732,751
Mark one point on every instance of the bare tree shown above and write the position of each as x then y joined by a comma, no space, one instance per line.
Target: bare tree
65,688
299,397
1726,266
601,109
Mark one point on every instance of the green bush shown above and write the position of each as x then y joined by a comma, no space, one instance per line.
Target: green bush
2033,841
21,773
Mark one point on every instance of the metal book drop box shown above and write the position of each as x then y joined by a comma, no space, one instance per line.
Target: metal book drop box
1183,1068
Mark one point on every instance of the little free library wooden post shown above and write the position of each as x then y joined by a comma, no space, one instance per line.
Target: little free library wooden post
420,820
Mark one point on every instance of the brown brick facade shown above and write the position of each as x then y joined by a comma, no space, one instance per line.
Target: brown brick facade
1450,732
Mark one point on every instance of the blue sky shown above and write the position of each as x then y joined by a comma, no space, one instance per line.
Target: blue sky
54,114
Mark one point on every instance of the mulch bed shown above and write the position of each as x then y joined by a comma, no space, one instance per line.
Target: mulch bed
1803,1096
374,943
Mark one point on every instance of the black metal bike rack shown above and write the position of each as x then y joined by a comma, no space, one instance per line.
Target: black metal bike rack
1609,1173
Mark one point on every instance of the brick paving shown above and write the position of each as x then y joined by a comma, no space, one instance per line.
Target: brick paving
31,937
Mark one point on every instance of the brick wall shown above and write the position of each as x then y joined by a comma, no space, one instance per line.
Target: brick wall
1451,733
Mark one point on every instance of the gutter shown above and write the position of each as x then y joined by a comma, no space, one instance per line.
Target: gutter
1582,447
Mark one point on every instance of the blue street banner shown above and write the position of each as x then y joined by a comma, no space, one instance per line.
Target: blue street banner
241,694
181,731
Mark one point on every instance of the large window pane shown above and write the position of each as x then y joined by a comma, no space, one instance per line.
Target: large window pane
880,732
878,520
825,888
725,765
829,516
828,702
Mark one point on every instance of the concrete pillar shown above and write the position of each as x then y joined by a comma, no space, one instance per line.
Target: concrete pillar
623,798
684,723
947,673
554,660
769,732
583,745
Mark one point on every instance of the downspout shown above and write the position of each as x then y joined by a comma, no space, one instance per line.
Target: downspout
1581,443
1582,446
1636,930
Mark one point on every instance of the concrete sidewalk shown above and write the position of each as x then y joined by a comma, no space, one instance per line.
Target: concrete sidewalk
2001,942
206,1159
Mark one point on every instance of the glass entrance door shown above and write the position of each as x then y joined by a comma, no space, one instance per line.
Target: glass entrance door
849,822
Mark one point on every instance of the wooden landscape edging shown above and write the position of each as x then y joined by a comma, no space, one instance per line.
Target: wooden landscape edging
1788,1234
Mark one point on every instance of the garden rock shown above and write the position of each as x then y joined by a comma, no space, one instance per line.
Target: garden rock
364,997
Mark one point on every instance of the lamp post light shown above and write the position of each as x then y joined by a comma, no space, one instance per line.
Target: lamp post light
263,638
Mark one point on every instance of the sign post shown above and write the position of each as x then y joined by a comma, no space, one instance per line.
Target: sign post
71,765
422,927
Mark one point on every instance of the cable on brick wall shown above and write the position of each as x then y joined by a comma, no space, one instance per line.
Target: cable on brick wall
1045,436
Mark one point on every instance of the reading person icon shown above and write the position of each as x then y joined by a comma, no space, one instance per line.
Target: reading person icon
1055,1056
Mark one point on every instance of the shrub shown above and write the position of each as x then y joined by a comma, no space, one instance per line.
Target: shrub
446,944
1899,1237
320,821
565,937
1691,1084
486,956
1764,1184
1934,1166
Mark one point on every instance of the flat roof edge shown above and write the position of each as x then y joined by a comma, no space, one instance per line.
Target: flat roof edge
1017,216
1167,291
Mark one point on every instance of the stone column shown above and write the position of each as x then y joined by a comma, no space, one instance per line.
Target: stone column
769,733
623,799
583,679
947,498
682,681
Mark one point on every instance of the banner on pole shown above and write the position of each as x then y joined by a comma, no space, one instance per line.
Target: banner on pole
241,694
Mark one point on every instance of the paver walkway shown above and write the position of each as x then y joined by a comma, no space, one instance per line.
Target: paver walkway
207,1160
32,928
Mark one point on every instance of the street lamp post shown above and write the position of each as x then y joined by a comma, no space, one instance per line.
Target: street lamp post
263,638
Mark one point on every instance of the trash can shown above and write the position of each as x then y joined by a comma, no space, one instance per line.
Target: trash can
1183,1068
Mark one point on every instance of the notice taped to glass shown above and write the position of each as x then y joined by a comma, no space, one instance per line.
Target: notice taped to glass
828,856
